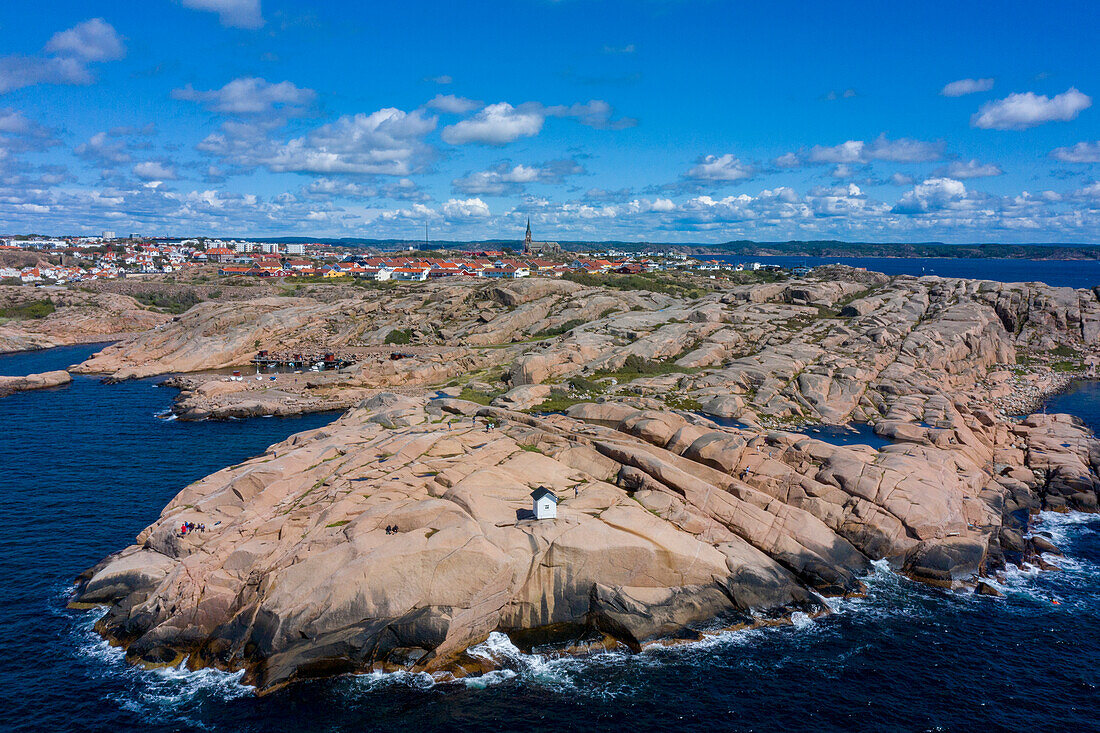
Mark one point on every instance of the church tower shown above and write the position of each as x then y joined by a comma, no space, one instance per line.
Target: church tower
527,239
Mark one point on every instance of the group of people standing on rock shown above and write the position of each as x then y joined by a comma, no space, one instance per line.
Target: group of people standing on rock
391,529
191,527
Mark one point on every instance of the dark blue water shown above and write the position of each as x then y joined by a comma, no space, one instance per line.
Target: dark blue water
1061,273
850,434
85,467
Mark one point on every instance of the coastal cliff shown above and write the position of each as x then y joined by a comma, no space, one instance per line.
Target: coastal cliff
672,519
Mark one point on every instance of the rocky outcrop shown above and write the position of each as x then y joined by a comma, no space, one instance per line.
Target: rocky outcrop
667,522
44,380
78,317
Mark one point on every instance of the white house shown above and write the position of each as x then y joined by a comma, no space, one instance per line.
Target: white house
544,503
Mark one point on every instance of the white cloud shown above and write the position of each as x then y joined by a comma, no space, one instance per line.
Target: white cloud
231,13
452,104
787,160
67,57
154,171
594,113
461,209
902,179
1021,111
505,179
497,124
386,142
902,150
1084,152
443,79
501,123
935,194
251,96
966,86
628,48
103,149
968,169
724,168
92,40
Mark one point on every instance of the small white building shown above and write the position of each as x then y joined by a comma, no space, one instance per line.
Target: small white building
544,503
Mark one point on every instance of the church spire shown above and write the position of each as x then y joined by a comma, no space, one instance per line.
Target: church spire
527,239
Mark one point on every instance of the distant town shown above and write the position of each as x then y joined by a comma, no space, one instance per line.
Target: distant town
108,257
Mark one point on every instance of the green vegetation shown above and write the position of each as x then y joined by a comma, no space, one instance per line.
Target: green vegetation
175,303
532,449
472,395
558,404
399,336
1066,366
680,286
558,330
29,310
1065,352
585,385
636,366
340,523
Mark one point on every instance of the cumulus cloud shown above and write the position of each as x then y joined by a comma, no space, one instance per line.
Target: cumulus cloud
65,58
595,113
787,160
462,209
452,104
1083,152
968,169
506,179
966,86
14,125
721,168
251,96
902,150
386,142
151,170
401,189
497,124
934,194
92,40
103,149
231,13
1021,111
501,123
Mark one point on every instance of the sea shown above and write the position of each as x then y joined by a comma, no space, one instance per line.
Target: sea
1060,273
85,467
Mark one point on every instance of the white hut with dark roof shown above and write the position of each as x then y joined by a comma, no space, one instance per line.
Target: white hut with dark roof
544,503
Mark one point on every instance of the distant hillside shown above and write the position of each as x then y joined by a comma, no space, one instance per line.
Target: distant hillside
812,248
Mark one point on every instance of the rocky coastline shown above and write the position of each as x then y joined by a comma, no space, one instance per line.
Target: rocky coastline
44,380
672,518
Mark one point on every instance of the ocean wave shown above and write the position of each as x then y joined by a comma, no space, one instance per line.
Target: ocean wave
162,694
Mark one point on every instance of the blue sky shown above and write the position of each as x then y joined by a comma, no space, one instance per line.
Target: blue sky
655,120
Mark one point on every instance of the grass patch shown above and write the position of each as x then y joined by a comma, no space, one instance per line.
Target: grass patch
532,449
174,303
1065,352
473,395
399,336
636,366
340,523
29,310
1066,366
558,330
652,282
